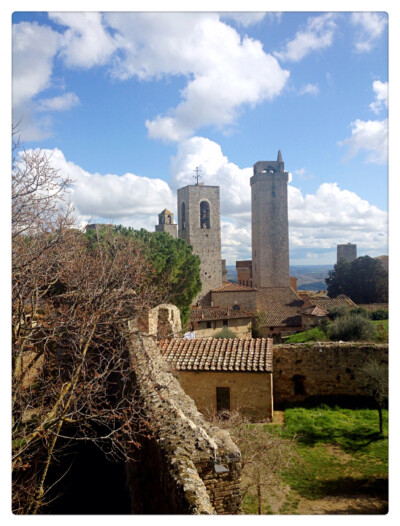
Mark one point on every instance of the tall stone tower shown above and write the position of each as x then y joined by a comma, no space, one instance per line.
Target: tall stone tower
270,231
199,223
346,252
166,223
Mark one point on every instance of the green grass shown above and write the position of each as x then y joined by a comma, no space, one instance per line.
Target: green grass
317,335
341,452
312,335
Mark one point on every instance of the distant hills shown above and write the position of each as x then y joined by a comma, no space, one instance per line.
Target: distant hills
309,277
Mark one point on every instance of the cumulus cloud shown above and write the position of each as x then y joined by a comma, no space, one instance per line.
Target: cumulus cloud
309,89
245,19
86,42
369,28
223,71
129,199
317,221
370,137
381,95
61,103
317,34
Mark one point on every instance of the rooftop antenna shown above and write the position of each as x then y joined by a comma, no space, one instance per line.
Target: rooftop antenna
197,172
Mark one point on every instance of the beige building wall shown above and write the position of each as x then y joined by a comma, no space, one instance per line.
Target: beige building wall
245,299
250,393
242,327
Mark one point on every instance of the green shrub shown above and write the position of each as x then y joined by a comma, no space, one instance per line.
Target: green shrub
338,312
380,314
361,311
225,333
352,327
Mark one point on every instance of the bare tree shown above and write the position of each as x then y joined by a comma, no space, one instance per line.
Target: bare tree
374,377
264,455
72,377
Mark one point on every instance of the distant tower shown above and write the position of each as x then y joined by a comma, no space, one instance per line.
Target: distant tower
346,252
199,223
166,223
270,231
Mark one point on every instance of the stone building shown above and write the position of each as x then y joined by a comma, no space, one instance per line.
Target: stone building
225,374
166,223
208,321
346,252
199,223
244,271
269,216
234,296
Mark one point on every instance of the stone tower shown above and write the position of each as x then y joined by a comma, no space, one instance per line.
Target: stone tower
346,252
166,223
199,223
269,222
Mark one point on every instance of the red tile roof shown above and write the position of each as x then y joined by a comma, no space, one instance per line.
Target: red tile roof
219,354
218,313
279,307
330,303
232,287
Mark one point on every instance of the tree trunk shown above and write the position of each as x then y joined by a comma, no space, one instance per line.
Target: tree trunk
380,420
259,498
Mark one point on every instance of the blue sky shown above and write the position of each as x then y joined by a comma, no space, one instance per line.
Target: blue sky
128,104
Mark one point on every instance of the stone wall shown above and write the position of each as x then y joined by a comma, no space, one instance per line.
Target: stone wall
175,468
321,369
246,299
250,393
240,326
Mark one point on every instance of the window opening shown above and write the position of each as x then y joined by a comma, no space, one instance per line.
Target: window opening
204,214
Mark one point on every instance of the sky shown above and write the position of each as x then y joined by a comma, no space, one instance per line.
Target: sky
128,104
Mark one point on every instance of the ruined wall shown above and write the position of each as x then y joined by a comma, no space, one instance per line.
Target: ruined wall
250,393
174,472
321,369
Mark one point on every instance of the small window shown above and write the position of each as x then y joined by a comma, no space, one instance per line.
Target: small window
236,307
225,323
273,193
168,220
298,381
204,214
208,325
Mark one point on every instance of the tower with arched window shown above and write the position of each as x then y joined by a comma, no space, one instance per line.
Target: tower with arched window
199,223
166,223
269,224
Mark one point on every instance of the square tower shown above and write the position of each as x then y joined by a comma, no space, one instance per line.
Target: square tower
166,223
199,223
269,222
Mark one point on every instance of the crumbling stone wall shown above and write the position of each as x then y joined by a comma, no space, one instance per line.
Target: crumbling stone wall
175,468
163,321
321,369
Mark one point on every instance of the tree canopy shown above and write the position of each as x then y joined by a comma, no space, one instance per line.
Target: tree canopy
177,269
364,280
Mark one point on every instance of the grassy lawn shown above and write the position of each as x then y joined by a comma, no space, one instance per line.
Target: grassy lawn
317,335
339,454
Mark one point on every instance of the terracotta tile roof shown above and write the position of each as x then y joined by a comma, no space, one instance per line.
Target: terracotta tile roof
313,310
281,306
217,313
219,354
330,303
232,287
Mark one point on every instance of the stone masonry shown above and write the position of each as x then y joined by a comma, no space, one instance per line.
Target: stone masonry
166,223
199,223
269,215
175,471
321,369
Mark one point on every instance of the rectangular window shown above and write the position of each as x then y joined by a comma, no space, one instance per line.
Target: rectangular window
225,323
223,399
208,325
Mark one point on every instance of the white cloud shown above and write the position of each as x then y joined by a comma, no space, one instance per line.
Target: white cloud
309,89
85,43
61,103
317,221
129,199
381,95
318,34
245,19
370,27
368,136
223,71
